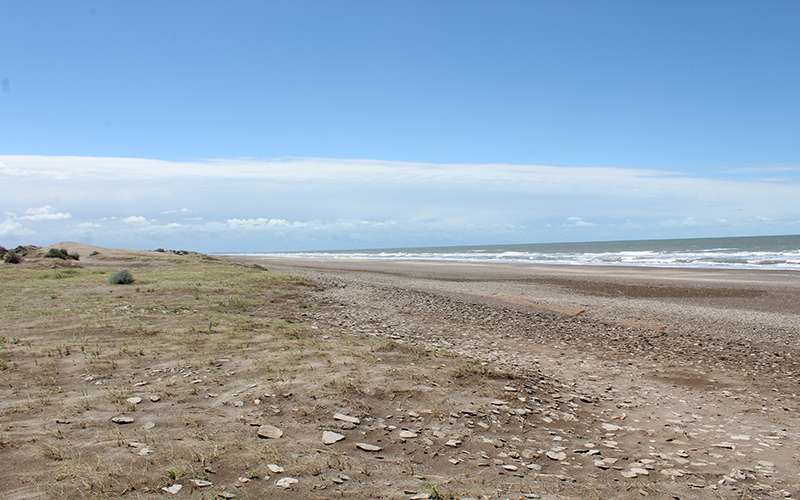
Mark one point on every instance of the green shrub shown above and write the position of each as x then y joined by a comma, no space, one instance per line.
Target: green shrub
12,258
123,277
57,253
61,253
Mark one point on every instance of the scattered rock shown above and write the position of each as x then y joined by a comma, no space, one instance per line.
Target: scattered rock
556,455
408,434
368,447
200,483
275,468
329,437
346,418
453,443
122,419
286,482
135,400
269,432
172,490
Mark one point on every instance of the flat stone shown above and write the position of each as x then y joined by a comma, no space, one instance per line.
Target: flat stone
172,490
727,446
155,398
329,437
346,418
510,467
275,468
134,400
269,432
122,419
408,434
368,447
148,425
556,455
200,483
453,443
605,463
227,495
286,482
672,473
611,427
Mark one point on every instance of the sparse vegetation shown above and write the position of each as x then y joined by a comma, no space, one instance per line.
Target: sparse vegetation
62,253
123,277
12,258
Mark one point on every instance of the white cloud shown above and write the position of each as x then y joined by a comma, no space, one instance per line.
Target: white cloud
579,222
135,220
177,211
44,213
325,203
10,227
87,225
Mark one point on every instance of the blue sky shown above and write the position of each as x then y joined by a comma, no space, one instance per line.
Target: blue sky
472,122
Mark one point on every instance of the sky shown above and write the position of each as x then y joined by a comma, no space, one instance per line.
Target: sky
294,125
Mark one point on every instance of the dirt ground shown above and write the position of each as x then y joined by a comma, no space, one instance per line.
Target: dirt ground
209,378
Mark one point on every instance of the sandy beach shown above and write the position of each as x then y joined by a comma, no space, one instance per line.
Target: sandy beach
694,359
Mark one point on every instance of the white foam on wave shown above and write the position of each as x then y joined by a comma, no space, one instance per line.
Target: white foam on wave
713,258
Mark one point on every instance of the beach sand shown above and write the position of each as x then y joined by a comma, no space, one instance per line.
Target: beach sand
220,377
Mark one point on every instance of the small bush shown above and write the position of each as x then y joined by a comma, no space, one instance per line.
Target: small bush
123,277
61,253
12,258
94,252
3,251
56,253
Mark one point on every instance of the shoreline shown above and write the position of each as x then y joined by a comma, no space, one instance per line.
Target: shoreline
328,258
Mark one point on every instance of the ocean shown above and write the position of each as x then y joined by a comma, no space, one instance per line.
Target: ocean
747,252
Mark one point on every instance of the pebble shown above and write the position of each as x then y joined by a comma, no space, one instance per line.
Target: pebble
122,419
605,463
275,468
510,467
556,455
269,432
173,490
346,418
453,443
134,400
329,437
286,482
407,434
227,495
155,398
368,447
200,483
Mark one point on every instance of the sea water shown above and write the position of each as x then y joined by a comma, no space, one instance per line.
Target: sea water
748,252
